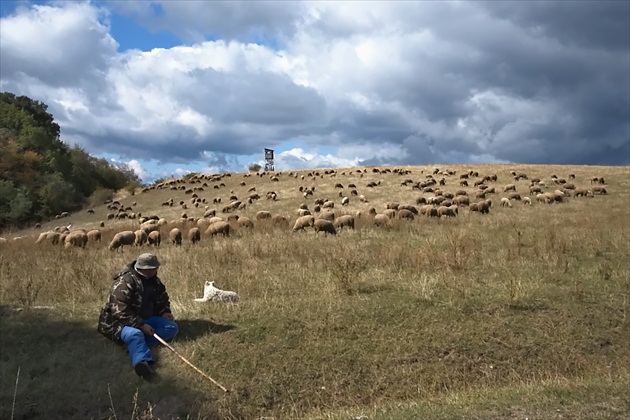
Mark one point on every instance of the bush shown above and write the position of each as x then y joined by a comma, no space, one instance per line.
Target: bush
100,196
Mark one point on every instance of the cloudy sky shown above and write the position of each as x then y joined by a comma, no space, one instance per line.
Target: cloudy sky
205,86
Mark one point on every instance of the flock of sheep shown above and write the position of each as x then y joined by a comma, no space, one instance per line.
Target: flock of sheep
444,193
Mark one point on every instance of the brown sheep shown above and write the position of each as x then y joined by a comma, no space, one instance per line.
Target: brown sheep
94,235
391,213
263,214
279,220
461,200
482,207
405,214
480,194
303,222
50,237
552,197
514,196
244,222
154,238
344,221
582,192
409,207
565,192
598,180
557,196
425,209
218,228
327,215
321,225
432,211
381,220
141,237
78,238
175,235
509,187
194,235
446,211
599,190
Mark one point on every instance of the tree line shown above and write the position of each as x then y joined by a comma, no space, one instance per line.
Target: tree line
40,176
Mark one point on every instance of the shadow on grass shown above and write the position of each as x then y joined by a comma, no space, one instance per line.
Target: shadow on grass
528,306
192,329
51,367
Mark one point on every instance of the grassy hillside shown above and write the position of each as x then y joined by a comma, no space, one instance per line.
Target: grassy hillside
522,312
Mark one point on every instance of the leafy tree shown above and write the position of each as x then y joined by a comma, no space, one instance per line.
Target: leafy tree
255,167
15,206
109,175
41,176
16,165
20,208
82,172
57,195
36,109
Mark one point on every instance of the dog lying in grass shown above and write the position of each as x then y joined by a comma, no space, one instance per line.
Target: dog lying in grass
213,294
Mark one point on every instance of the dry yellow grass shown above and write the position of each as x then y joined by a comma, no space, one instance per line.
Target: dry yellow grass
512,303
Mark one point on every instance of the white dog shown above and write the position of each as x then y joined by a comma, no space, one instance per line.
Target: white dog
213,294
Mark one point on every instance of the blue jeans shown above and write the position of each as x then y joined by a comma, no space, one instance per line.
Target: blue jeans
138,344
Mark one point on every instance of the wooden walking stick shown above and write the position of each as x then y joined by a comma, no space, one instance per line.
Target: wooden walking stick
158,338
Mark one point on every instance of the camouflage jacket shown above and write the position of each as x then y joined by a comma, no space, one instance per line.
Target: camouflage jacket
125,301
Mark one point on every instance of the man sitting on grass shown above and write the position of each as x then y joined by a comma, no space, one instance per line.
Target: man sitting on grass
138,307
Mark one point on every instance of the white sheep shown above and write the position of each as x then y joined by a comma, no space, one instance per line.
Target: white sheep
213,294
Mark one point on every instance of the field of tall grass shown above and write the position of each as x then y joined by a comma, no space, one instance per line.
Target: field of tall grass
520,313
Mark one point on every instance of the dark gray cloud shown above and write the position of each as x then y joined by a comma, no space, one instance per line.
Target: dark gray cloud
379,82
592,24
261,98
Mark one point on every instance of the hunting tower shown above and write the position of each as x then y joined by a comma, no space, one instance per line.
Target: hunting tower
269,160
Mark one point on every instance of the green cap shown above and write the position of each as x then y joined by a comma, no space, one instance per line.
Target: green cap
146,262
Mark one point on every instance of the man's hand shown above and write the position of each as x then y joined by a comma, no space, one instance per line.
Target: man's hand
147,330
168,316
